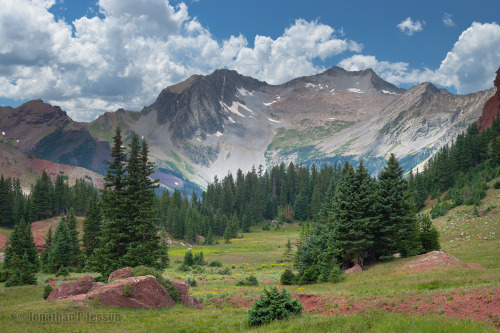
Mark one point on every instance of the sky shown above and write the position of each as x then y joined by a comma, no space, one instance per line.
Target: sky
91,56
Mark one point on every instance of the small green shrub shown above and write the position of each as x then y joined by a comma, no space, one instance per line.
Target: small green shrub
183,268
128,290
4,275
287,277
215,263
248,281
199,259
310,275
47,289
273,305
188,258
496,185
336,275
225,271
14,279
192,282
63,271
101,278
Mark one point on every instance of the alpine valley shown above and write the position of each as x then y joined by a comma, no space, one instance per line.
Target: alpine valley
210,125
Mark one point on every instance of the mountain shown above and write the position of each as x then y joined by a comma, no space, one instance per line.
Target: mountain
209,125
48,132
28,168
492,107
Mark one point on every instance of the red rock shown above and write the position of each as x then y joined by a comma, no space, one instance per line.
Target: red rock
491,107
96,285
183,289
68,289
200,239
354,269
121,273
147,293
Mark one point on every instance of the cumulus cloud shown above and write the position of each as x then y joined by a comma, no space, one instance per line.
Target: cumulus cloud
448,20
134,48
409,27
469,67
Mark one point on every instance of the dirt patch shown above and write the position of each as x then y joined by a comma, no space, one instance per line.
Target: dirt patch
436,260
480,304
3,241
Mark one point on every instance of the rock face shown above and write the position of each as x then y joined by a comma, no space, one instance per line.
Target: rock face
121,273
73,288
183,289
147,293
354,269
491,108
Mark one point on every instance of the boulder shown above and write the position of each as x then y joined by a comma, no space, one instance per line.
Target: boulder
121,273
68,289
183,289
396,255
96,285
354,269
200,239
147,293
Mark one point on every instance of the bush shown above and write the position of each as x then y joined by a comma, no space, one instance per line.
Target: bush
336,275
225,271
273,305
287,277
183,268
310,275
215,263
188,258
14,279
496,185
199,259
248,281
47,289
101,278
4,275
128,290
63,271
192,282
169,286
430,240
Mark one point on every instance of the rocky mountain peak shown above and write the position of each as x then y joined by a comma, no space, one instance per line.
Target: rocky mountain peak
492,106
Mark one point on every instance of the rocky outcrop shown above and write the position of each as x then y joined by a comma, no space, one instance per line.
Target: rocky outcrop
147,293
73,288
121,273
183,289
354,269
491,108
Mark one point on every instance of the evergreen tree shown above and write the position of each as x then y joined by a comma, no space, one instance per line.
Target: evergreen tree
61,249
76,253
397,230
6,204
44,257
92,227
21,244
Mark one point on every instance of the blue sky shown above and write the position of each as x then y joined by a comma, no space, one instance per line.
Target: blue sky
95,56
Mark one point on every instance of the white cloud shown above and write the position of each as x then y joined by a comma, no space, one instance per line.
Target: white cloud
135,48
409,27
448,20
470,66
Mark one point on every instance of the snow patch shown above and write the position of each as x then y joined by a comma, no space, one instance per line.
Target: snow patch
17,141
274,121
3,133
218,134
244,92
331,118
199,140
388,92
355,90
176,184
310,85
234,108
231,120
268,104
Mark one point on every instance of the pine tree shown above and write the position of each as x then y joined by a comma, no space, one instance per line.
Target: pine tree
76,253
6,204
61,249
44,257
92,227
397,230
21,243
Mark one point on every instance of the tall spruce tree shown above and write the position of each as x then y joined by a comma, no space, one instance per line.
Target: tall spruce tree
61,249
397,229
21,244
92,227
44,257
76,252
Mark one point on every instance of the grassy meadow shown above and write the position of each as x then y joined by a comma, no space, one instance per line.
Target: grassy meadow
362,302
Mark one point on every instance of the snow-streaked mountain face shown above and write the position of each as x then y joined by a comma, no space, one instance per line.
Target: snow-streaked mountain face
209,125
